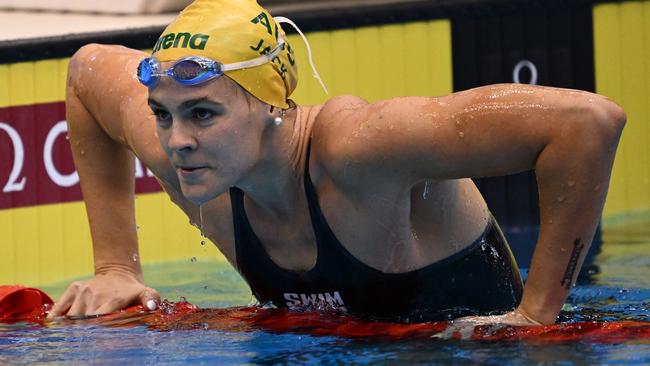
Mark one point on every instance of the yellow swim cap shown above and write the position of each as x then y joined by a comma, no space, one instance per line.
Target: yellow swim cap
231,31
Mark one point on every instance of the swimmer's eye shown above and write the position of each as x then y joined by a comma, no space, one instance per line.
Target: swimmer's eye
203,114
162,116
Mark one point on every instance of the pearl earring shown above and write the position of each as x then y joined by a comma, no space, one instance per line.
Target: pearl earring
278,120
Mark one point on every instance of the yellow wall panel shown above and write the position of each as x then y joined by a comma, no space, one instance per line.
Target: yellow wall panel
22,80
26,244
377,62
21,84
441,60
77,247
622,51
4,86
607,58
165,233
60,247
46,77
369,70
418,73
8,257
309,91
174,228
344,63
17,82
393,56
634,97
149,222
49,247
51,260
645,79
63,78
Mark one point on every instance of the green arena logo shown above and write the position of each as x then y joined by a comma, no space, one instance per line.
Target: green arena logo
182,40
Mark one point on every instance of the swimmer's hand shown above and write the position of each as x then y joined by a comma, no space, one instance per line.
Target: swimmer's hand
465,328
104,293
513,318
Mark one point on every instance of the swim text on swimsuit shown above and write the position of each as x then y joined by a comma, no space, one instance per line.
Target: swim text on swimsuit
318,300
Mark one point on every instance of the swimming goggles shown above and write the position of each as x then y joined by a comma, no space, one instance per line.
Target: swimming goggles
194,70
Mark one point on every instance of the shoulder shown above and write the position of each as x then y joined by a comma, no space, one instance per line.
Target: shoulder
100,56
336,138
335,119
357,142
339,108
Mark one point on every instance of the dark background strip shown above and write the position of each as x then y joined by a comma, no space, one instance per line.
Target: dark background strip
324,18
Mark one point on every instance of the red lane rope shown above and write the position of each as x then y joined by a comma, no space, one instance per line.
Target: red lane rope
23,304
185,316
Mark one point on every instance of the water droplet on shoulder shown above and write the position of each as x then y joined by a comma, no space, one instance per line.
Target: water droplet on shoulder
425,192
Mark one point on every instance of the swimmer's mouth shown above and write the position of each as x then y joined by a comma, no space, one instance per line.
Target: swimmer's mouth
190,170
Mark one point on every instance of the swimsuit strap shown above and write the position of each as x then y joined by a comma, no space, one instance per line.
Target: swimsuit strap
330,250
238,219
254,253
249,251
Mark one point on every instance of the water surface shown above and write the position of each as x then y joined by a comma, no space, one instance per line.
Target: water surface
620,291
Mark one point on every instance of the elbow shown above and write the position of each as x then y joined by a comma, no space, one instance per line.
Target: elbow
79,64
603,123
615,116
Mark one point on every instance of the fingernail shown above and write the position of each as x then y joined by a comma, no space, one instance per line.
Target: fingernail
151,305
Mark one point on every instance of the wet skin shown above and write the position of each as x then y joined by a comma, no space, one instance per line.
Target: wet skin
392,177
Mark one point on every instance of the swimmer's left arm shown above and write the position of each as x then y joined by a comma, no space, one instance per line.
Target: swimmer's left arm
569,137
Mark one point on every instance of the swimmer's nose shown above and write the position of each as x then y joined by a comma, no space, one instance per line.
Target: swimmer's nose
182,139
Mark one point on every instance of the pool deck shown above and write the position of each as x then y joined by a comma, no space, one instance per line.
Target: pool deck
20,23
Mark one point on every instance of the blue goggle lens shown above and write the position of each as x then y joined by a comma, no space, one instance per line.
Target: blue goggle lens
190,71
146,72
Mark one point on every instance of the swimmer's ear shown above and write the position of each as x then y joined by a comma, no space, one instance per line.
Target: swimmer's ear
150,299
270,118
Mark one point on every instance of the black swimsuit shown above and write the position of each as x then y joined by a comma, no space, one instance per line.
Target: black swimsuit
479,280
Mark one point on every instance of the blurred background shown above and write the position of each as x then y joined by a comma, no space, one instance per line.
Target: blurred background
376,49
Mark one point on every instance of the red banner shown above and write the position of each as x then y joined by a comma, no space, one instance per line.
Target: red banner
36,166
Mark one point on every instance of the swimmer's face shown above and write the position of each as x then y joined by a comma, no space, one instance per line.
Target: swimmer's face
210,132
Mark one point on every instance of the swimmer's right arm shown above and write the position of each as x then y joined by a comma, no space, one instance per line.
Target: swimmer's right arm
106,170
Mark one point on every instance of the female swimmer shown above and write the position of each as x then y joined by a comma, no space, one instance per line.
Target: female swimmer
365,208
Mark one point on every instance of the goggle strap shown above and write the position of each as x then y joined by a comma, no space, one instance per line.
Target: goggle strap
256,61
311,60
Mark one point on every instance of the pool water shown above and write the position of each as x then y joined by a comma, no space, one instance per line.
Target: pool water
620,291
